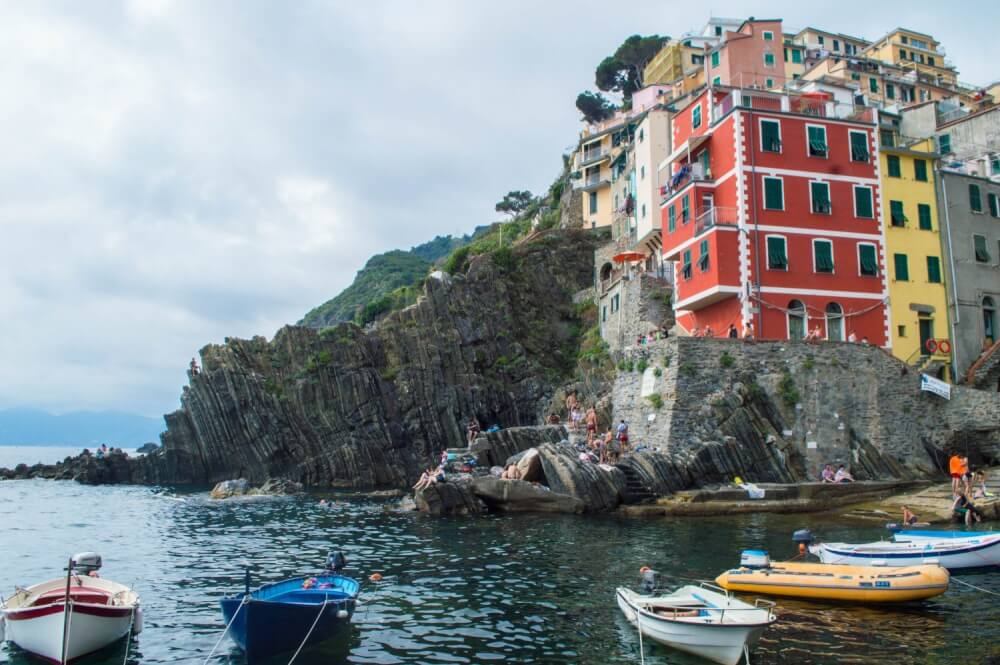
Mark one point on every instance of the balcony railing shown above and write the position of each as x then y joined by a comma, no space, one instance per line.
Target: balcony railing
687,173
590,156
803,104
712,216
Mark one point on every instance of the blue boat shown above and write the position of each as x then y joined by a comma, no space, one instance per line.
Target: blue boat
290,615
931,534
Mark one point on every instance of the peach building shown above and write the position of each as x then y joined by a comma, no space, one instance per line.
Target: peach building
752,56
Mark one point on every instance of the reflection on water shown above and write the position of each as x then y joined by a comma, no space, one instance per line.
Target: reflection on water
527,588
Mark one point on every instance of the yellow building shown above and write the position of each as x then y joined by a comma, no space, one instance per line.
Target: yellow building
914,256
795,58
600,145
676,59
916,52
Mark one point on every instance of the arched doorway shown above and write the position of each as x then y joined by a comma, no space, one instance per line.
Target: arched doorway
796,320
834,322
606,272
989,319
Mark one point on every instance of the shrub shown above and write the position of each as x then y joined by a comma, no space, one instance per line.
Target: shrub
458,261
504,258
389,374
273,387
657,372
622,366
641,365
808,364
789,393
687,368
656,400
726,360
666,361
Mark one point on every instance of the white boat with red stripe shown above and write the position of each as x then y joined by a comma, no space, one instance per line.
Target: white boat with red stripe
73,616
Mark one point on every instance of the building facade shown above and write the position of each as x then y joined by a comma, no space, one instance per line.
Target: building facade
772,217
915,51
752,56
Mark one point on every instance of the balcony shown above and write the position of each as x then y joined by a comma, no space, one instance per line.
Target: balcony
589,157
713,216
592,182
817,105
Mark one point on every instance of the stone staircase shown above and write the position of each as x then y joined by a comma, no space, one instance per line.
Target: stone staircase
985,372
635,489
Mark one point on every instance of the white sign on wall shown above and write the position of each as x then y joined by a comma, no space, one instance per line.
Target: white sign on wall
936,386
648,382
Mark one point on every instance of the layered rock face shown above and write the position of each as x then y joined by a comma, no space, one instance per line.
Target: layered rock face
347,407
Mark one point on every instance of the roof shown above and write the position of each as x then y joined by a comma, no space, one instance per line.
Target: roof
895,30
974,114
833,34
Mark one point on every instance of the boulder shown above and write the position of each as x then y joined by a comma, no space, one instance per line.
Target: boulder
242,487
448,499
522,496
146,448
230,488
279,487
530,465
599,487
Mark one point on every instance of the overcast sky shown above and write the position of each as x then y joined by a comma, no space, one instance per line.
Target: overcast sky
172,173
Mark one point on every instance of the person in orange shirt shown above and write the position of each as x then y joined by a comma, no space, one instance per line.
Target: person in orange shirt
955,471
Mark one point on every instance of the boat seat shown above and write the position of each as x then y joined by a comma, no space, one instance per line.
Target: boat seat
77,595
311,596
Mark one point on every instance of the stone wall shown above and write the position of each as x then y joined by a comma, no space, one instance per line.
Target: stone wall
643,305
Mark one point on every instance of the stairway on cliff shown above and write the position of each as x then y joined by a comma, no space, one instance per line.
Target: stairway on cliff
985,372
635,489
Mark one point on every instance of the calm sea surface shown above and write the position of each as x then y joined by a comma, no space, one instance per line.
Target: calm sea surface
516,589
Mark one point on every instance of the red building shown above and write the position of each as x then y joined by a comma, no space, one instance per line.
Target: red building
771,213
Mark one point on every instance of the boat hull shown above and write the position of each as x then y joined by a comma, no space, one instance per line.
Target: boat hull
91,628
952,553
862,584
719,643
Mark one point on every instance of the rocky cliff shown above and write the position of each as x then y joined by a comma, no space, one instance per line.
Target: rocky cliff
350,407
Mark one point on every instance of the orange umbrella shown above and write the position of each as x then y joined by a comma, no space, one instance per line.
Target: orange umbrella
629,256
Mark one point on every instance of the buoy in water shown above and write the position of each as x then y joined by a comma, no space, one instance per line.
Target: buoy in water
375,577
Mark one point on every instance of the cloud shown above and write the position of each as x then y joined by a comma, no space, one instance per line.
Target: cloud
175,171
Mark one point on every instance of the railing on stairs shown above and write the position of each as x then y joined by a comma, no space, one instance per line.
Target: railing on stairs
982,360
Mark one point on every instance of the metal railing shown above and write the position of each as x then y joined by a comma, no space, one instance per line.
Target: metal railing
709,217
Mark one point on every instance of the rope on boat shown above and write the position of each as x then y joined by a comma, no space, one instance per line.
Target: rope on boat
128,635
977,588
322,607
246,599
69,628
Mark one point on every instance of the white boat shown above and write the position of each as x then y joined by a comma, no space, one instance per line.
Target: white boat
952,553
699,620
98,613
930,534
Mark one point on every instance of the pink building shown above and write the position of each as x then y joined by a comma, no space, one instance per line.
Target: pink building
751,57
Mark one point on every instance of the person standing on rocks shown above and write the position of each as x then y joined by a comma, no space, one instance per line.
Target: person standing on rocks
732,333
474,429
571,403
591,424
955,471
622,437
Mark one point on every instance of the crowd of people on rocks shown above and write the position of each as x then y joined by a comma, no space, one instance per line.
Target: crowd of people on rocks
103,452
965,487
813,335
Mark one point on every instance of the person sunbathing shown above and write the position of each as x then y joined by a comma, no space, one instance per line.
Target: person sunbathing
511,473
429,477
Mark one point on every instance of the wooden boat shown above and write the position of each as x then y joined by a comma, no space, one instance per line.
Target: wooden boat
698,620
68,617
952,553
822,581
292,614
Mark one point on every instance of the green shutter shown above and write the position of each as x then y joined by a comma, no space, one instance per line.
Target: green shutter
696,117
896,213
944,144
982,254
715,59
873,84
859,147
824,255
894,170
869,262
686,270
902,268
685,210
975,200
774,195
769,59
920,170
863,202
776,258
890,91
796,56
924,214
817,141
770,135
671,219
820,197
703,255
994,205
933,270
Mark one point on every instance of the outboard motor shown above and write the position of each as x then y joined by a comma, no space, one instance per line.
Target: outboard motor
648,579
804,538
754,559
336,561
86,562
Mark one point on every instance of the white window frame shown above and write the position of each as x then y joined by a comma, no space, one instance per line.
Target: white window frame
696,112
833,257
767,257
829,198
852,132
875,249
763,190
766,33
840,319
826,140
760,127
805,321
854,200
773,59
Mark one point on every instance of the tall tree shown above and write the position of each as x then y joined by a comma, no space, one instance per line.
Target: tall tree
622,72
594,106
515,202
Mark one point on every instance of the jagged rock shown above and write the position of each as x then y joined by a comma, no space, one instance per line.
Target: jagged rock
523,496
146,448
599,488
242,487
530,465
448,498
230,488
280,487
496,448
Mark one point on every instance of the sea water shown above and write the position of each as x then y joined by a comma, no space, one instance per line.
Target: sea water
488,589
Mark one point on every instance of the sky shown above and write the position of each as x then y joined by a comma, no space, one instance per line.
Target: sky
173,173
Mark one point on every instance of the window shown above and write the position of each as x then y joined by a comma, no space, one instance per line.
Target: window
615,302
823,256
887,137
717,80
904,39
995,166
816,137
901,330
920,170
796,320
786,54
671,219
867,260
902,54
855,76
685,210
768,36
994,204
834,322
924,216
796,56
819,194
686,264
836,44
975,199
644,211
979,248
703,256
896,215
944,144
859,146
894,168
933,270
890,91
770,136
774,194
768,83
769,60
821,39
902,268
777,256
715,59
718,31
642,135
593,202
863,202
642,172
930,60
604,313
696,117
873,84
989,319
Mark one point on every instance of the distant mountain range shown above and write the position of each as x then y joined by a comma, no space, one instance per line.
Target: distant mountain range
33,427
